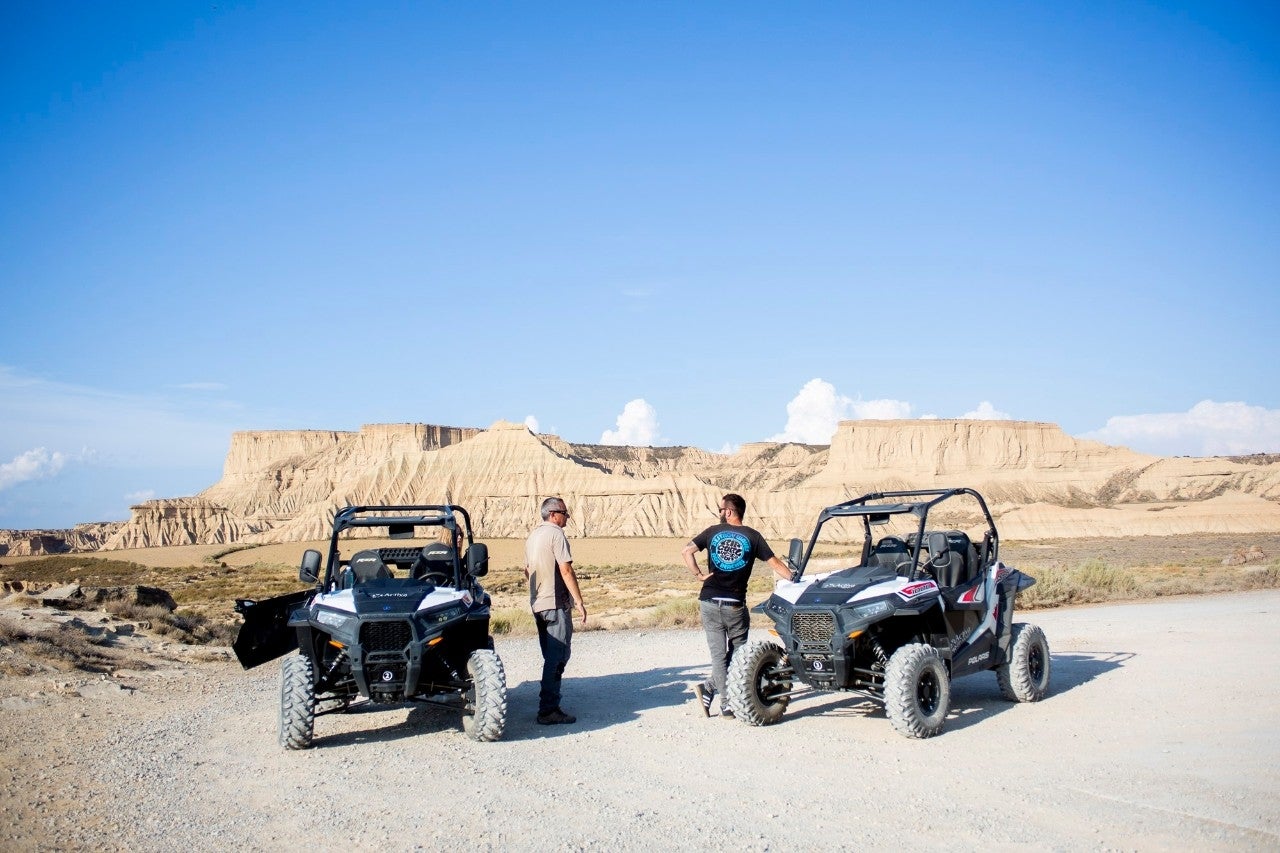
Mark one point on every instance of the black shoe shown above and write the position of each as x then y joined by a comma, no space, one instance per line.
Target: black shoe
726,713
556,716
704,696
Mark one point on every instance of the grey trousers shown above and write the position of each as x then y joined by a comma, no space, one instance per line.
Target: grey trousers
726,626
555,637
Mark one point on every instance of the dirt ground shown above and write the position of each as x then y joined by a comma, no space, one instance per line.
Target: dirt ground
1159,733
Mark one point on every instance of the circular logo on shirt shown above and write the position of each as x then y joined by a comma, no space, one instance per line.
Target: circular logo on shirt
729,550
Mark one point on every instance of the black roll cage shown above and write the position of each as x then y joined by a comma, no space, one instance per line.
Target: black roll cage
428,515
860,507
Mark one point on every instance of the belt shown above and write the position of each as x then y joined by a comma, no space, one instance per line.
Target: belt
726,602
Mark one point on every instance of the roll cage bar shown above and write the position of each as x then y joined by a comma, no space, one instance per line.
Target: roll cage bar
879,512
416,515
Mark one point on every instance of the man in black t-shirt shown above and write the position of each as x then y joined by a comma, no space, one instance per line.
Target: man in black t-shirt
732,550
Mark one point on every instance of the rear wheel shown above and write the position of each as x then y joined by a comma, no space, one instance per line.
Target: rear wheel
1025,678
917,691
297,702
486,714
758,682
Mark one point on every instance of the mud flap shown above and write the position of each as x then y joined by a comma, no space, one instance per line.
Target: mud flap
265,634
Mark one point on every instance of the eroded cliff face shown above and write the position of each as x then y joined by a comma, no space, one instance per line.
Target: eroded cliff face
284,486
82,537
180,521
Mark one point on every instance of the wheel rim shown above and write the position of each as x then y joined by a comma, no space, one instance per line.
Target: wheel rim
927,692
768,684
1035,663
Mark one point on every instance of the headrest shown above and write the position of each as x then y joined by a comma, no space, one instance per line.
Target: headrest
367,566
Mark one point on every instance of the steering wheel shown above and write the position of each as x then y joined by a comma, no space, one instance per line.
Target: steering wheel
438,578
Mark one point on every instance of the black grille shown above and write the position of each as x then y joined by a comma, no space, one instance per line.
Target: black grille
813,627
385,636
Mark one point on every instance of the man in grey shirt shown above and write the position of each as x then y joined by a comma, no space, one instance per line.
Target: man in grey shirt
553,593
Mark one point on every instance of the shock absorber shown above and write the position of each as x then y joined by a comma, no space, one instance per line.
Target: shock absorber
333,667
878,650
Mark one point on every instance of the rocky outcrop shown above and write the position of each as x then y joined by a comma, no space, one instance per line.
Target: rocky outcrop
82,537
73,596
284,486
180,521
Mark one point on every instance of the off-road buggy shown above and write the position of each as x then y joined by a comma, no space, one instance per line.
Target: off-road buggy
389,619
923,603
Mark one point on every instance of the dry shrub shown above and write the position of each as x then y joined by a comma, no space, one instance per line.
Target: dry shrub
61,646
511,621
1100,577
681,613
134,612
1261,577
184,626
1089,582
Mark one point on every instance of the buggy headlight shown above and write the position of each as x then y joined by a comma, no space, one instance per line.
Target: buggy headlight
872,610
444,614
334,619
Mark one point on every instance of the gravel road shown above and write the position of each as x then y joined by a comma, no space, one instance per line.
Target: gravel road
1160,732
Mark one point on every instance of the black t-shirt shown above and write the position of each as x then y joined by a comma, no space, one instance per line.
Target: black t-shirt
732,551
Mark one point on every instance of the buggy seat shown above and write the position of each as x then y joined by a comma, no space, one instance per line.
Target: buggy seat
436,558
962,562
367,566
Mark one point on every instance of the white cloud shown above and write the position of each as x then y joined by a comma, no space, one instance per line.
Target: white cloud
986,412
124,429
1206,429
532,423
138,497
637,426
32,465
813,413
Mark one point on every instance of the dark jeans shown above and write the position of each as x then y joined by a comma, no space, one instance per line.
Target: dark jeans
555,637
726,626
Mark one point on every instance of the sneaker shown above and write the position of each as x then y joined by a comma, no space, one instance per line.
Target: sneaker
555,716
704,696
726,713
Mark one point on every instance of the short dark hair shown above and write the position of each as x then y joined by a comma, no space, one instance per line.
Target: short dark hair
738,502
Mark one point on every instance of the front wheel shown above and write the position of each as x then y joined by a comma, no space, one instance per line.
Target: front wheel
1025,678
917,691
758,683
297,702
486,715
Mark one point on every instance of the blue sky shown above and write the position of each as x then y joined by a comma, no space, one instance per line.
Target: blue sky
669,223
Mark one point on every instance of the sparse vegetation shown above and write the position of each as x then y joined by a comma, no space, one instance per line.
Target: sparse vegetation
1095,581
183,626
62,646
639,584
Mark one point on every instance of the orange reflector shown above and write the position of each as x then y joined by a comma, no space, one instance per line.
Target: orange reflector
436,640
775,633
336,644
853,635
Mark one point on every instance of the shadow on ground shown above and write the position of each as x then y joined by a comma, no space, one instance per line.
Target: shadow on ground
974,698
604,701
599,702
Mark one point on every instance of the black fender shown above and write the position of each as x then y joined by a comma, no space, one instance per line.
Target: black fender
266,633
